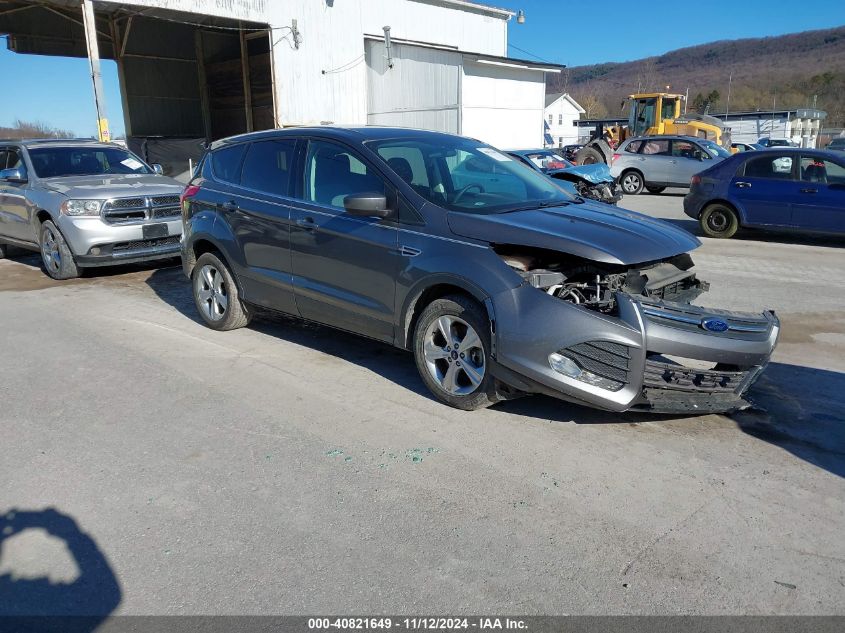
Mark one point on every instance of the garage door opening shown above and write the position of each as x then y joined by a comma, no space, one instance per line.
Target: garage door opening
185,79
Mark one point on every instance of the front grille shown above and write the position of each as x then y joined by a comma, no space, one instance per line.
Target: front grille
688,317
666,375
132,210
143,244
602,358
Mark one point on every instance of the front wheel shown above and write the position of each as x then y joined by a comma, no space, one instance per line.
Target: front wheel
216,294
452,353
55,253
631,182
719,220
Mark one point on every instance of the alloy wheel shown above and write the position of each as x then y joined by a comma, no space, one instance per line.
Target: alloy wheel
631,183
212,294
50,253
454,355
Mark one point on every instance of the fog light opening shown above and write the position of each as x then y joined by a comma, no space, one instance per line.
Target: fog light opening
563,365
95,250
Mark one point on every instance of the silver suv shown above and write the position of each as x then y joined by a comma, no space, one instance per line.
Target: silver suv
657,162
82,203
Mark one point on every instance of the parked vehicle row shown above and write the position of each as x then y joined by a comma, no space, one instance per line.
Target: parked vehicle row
84,204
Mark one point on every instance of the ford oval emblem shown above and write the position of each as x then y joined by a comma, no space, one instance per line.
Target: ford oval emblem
712,324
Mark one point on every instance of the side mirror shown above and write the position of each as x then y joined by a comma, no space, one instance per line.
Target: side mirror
366,205
157,169
12,175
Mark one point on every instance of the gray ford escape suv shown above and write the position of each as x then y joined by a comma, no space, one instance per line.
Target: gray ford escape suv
499,287
83,203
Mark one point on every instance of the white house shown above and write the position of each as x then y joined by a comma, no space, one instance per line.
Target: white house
205,69
559,115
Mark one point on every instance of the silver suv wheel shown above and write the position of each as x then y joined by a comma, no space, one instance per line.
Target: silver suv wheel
50,253
454,355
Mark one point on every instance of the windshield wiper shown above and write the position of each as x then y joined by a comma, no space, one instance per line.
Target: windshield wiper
542,205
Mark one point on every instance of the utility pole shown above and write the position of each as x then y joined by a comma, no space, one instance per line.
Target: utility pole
90,25
728,106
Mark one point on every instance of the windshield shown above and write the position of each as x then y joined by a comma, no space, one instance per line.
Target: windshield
50,162
465,175
715,150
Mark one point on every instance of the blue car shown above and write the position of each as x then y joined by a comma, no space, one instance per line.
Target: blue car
786,188
588,181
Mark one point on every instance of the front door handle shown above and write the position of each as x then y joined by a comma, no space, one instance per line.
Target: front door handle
307,223
743,185
809,190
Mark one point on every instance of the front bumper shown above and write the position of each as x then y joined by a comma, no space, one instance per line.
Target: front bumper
96,243
655,356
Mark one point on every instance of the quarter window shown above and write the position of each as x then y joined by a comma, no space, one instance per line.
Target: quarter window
332,172
226,162
267,166
634,147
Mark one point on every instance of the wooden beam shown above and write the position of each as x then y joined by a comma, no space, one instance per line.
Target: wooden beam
247,86
203,84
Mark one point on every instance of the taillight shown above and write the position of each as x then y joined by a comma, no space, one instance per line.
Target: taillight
695,180
614,158
188,192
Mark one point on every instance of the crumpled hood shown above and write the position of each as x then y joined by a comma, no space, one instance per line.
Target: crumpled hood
594,231
113,186
595,173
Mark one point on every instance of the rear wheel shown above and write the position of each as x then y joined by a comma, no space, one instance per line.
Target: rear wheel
216,294
55,253
452,353
631,182
655,190
589,156
719,220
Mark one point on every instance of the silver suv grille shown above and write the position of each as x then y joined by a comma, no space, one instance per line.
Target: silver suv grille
132,210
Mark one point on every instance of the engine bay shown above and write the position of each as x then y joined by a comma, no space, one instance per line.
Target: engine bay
594,284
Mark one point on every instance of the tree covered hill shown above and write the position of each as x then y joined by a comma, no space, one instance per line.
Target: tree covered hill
786,71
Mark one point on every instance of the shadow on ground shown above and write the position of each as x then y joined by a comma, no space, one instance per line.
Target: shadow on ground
25,601
759,235
803,406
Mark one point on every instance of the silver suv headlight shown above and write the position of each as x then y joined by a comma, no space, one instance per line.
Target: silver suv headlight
81,207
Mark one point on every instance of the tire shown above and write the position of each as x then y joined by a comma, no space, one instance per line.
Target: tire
719,220
589,156
631,182
56,256
444,325
216,294
655,190
4,250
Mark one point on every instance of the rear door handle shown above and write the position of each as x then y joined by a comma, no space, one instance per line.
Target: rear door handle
809,190
743,185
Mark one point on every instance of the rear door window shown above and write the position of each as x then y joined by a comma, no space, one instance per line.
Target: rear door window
226,163
656,147
769,165
268,167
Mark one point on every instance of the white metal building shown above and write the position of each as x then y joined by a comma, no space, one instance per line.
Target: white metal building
801,126
560,113
204,69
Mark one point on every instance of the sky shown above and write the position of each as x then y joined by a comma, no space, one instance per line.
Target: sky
57,91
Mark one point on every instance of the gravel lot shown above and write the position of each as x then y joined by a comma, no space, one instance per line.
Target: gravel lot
289,468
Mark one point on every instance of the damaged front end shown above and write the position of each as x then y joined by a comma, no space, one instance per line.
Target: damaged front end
634,340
